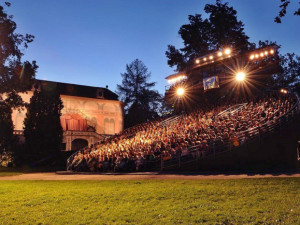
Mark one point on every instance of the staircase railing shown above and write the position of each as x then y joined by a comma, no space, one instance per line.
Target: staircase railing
71,158
169,121
242,138
233,109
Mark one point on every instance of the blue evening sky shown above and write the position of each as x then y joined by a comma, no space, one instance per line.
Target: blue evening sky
90,42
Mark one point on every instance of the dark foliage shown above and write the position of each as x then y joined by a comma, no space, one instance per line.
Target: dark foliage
6,131
202,36
288,71
289,75
43,131
283,9
141,102
15,76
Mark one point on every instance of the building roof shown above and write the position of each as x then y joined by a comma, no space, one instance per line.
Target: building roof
77,90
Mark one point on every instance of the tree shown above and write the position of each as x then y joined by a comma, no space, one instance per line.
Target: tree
283,8
202,36
43,131
289,75
15,75
6,131
141,102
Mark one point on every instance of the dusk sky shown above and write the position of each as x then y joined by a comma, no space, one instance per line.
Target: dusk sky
90,42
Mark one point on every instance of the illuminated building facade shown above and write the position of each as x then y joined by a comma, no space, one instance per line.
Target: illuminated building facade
89,113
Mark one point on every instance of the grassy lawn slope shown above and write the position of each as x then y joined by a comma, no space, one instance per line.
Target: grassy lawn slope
247,201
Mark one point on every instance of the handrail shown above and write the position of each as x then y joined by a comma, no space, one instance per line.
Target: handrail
241,105
242,137
252,133
169,121
71,157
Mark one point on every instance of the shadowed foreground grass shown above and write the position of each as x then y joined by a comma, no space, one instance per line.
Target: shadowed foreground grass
12,171
247,201
4,171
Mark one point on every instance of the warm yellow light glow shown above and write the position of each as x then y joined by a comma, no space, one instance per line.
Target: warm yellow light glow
252,57
205,59
283,91
220,54
227,51
211,57
261,54
266,53
197,61
177,79
180,91
240,76
272,51
256,56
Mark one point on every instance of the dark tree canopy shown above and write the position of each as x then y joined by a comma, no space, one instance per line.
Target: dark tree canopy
141,101
289,75
6,125
202,36
43,131
283,10
15,75
288,69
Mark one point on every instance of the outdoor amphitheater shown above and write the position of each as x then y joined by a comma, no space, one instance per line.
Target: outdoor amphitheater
150,112
184,142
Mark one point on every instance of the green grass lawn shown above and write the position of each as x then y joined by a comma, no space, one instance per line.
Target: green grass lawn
247,201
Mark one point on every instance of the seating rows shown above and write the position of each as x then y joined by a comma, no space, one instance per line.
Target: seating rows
133,149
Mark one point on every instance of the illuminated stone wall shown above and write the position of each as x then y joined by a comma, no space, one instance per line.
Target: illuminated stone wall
105,115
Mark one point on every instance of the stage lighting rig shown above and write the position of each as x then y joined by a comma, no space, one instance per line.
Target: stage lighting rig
261,54
211,58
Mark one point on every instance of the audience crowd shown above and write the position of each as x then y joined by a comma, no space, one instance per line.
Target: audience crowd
139,147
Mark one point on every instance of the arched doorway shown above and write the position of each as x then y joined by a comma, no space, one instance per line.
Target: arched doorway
79,143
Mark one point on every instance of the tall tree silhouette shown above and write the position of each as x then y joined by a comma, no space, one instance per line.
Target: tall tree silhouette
141,101
202,36
6,128
15,75
43,131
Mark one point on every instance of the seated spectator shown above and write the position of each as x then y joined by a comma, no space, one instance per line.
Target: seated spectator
131,149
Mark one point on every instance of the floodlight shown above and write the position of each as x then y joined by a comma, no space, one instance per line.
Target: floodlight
240,76
197,61
180,91
284,91
227,51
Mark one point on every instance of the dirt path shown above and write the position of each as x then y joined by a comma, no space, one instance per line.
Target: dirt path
140,176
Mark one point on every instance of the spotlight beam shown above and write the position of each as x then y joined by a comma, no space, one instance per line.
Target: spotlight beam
180,91
240,76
